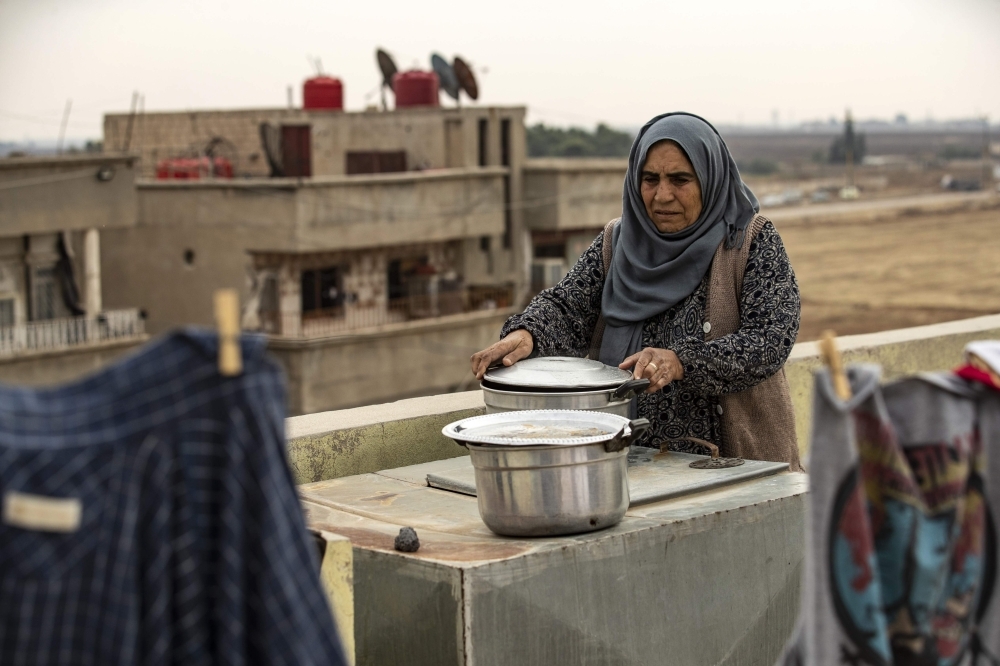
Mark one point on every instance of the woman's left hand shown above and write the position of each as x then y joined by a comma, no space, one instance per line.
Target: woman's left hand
659,366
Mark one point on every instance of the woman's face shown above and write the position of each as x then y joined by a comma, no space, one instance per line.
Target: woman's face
670,188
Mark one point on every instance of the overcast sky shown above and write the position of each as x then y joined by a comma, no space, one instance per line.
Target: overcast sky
621,62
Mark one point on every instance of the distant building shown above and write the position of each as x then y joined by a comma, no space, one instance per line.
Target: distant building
53,325
377,249
567,202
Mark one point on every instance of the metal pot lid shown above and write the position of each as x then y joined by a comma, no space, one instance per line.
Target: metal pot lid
537,427
559,372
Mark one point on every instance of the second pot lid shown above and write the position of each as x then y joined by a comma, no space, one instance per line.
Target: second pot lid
559,372
537,427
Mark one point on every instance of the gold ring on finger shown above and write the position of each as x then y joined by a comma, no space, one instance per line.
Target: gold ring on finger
652,365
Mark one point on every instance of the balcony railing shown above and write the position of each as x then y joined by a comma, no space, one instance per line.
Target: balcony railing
60,334
354,317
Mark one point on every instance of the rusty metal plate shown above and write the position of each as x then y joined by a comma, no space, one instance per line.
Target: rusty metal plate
641,455
717,463
666,476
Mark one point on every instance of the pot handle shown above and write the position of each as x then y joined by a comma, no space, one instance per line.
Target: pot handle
629,432
629,389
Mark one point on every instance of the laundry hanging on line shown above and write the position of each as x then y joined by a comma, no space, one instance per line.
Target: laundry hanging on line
150,518
901,548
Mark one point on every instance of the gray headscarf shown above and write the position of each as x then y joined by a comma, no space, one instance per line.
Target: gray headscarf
652,271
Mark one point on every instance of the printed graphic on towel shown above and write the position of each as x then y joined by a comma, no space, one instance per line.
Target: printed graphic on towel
912,554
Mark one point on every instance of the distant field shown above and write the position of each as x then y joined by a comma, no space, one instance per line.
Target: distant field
906,271
800,146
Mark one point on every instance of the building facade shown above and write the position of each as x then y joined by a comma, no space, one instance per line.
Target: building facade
53,211
334,226
400,237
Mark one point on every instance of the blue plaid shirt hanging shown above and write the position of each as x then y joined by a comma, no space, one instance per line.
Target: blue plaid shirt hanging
150,518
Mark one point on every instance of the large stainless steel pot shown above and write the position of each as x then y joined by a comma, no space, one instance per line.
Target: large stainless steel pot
549,472
559,382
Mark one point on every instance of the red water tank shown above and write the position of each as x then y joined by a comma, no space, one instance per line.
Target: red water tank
323,93
194,168
415,88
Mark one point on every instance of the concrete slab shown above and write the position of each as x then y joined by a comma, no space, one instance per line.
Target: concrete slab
708,578
417,474
332,444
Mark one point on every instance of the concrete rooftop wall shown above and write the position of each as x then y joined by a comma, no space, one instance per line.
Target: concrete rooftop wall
572,194
433,137
407,359
44,195
367,439
337,212
49,368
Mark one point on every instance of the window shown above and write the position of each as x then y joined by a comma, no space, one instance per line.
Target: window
375,161
550,250
296,151
484,126
6,311
505,142
508,222
405,276
323,292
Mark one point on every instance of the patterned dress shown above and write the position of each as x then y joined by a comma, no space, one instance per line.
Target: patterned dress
561,320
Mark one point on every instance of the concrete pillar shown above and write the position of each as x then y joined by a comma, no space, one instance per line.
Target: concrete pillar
290,301
92,272
521,244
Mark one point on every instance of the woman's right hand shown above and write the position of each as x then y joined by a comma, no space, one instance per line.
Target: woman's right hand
511,349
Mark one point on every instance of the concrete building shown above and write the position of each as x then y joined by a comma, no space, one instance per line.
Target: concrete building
350,235
567,202
403,238
53,323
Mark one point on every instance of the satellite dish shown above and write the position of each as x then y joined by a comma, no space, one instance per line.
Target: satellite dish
466,79
388,67
446,76
270,139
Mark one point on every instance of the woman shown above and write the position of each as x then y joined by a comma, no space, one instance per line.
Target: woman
690,289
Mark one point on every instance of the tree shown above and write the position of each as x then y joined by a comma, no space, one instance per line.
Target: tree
838,149
576,142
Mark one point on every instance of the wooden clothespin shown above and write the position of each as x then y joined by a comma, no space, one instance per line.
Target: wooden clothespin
831,357
227,318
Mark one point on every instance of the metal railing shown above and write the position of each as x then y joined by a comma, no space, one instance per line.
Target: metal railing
353,316
60,334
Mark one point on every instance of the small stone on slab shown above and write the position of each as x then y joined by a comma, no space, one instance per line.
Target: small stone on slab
407,540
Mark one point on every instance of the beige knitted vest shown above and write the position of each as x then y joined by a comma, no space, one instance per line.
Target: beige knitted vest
757,424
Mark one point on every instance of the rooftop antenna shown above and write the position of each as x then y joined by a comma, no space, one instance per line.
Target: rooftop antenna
388,68
446,76
316,64
270,139
62,127
131,121
466,79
